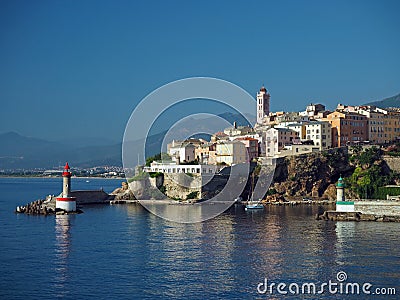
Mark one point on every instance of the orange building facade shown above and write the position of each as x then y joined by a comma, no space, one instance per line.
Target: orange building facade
348,128
392,126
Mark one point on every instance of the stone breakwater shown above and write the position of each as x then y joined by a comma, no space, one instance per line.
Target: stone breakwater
48,206
35,208
355,216
42,207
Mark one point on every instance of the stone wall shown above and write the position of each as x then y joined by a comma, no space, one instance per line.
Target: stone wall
393,162
379,208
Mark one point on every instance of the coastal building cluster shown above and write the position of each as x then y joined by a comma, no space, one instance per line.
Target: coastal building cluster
280,134
107,171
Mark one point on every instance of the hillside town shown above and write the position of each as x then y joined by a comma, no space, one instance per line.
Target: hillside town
282,134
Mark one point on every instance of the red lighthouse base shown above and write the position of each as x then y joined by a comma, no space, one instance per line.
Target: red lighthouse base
66,203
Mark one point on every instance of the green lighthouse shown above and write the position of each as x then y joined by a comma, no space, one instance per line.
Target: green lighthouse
341,204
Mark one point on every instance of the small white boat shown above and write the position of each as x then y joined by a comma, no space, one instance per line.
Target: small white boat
256,205
253,204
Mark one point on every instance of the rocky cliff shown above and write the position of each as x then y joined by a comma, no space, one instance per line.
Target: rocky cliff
123,193
312,174
307,175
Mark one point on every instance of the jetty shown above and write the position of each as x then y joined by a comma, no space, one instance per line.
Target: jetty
70,202
361,210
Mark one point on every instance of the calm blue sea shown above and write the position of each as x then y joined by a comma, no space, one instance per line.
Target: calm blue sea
125,252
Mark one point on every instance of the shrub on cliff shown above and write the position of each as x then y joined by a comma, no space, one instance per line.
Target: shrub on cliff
365,158
158,157
370,173
192,195
140,176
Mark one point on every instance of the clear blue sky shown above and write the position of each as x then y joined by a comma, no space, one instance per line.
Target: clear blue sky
77,68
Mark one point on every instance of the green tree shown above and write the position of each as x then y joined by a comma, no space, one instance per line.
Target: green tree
158,157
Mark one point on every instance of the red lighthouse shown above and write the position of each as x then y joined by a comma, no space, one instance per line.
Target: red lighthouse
65,201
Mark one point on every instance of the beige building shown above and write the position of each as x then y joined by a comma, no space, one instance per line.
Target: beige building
392,126
376,124
231,152
277,139
206,153
320,133
251,145
383,124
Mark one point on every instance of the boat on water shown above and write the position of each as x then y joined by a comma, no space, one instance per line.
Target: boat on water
250,205
254,205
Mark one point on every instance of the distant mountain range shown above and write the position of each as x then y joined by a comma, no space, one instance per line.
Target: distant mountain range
393,101
21,152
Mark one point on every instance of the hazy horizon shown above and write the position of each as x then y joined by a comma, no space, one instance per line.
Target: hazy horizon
78,69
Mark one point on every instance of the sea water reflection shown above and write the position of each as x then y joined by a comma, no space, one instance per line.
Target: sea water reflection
124,252
62,252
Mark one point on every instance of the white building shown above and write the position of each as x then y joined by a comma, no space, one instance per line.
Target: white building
173,168
300,128
298,149
312,110
278,138
320,133
235,130
231,152
185,152
262,104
